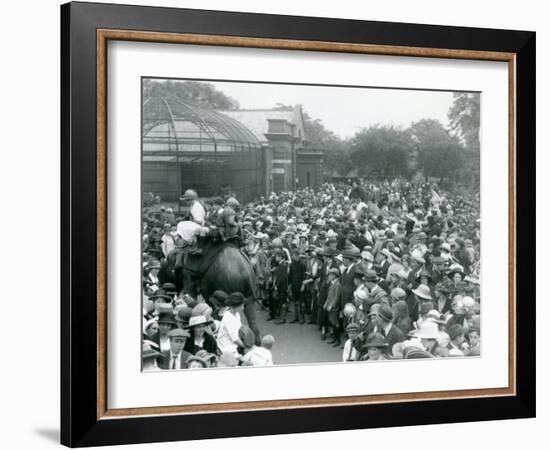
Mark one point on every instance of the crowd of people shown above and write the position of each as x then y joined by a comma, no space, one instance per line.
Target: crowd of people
384,270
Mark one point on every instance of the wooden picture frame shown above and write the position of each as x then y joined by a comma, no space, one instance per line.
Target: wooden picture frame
85,30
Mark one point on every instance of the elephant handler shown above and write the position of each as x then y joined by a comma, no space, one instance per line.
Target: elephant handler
228,227
187,232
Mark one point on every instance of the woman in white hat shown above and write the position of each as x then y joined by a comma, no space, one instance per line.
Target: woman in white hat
428,333
200,339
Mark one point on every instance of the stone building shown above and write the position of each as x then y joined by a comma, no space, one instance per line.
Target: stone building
289,162
246,152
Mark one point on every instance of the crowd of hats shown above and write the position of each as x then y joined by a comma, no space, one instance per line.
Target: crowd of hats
180,313
419,242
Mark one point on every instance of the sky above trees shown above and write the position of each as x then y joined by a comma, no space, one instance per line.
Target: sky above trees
381,133
345,110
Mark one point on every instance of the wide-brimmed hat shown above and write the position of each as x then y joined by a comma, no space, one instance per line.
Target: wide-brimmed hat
428,330
235,299
167,317
162,295
423,291
370,275
198,320
374,340
385,312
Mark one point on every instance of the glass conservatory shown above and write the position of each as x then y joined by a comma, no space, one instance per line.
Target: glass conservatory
188,146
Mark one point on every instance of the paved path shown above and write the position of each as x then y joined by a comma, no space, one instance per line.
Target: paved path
297,344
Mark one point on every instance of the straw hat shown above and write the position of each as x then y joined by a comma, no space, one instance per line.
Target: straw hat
423,291
428,330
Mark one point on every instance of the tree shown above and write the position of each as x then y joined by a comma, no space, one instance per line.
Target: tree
464,117
383,152
335,150
438,153
203,94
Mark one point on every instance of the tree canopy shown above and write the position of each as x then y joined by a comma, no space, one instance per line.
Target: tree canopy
382,151
438,153
464,118
203,94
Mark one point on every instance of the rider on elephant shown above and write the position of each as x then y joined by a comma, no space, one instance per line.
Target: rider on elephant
228,227
186,243
196,208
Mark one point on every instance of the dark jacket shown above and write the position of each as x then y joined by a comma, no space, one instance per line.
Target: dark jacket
393,336
280,280
296,275
209,344
348,286
163,361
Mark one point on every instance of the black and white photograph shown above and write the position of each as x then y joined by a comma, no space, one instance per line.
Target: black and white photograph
302,224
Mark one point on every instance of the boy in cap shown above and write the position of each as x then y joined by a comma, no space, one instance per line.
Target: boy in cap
350,353
176,357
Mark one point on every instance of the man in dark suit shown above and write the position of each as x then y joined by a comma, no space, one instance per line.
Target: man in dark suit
351,258
392,334
176,357
296,276
332,305
280,286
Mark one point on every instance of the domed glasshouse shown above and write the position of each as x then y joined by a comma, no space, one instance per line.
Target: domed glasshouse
190,146
248,153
